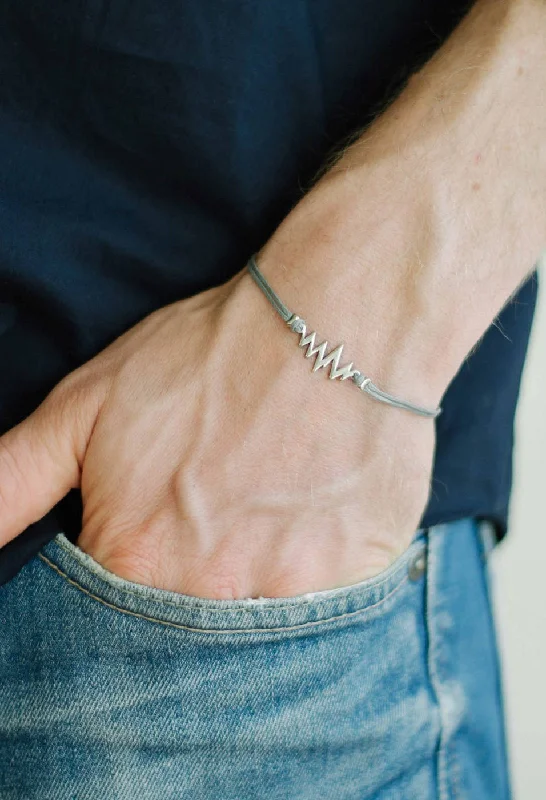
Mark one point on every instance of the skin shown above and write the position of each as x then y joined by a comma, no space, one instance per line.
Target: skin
211,460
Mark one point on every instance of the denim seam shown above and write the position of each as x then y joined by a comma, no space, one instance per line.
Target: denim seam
258,606
483,549
435,678
219,630
455,773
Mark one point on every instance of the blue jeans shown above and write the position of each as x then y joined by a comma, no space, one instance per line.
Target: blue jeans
387,689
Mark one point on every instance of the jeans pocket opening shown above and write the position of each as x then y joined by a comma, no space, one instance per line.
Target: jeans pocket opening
187,611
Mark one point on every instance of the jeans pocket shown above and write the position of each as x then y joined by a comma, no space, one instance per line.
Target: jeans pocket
301,612
160,695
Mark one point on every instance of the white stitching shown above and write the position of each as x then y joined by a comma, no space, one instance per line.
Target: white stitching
443,788
220,630
344,591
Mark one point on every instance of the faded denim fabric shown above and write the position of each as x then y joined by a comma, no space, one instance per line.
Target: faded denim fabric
387,689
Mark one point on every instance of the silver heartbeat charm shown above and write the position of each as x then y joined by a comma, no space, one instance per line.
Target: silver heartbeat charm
297,324
322,359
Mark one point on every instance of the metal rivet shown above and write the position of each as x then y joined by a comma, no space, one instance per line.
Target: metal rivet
417,566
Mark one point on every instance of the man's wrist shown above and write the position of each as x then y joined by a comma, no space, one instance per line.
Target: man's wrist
412,243
368,299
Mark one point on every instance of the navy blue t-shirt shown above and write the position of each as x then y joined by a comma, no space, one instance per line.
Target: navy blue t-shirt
148,148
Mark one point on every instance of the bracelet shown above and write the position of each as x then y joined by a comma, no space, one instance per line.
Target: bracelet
323,359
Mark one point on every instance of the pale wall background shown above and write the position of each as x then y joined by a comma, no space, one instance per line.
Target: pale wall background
520,579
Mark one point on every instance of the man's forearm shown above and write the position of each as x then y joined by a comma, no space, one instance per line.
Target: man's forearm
408,247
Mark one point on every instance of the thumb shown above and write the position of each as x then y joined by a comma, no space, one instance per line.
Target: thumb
40,459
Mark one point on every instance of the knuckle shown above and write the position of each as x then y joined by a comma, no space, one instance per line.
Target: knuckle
133,567
219,583
74,403
66,394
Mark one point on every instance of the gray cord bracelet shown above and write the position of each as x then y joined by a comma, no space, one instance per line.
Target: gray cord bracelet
323,359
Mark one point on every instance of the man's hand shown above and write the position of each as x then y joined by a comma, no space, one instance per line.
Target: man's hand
213,462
